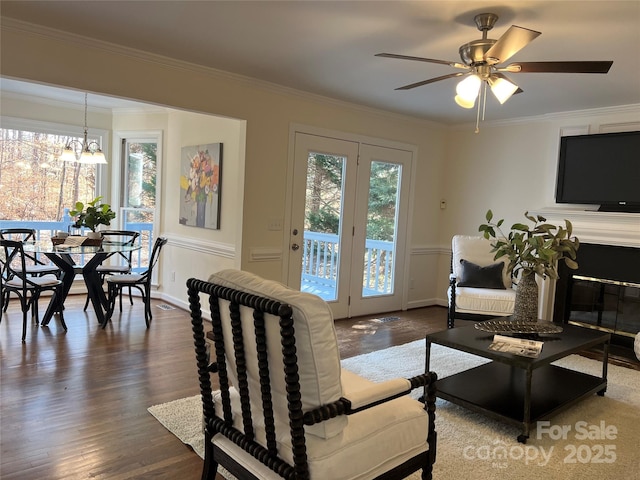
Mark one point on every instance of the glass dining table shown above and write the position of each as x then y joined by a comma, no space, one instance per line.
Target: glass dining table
63,257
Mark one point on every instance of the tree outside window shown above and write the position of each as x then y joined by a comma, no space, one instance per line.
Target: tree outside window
34,183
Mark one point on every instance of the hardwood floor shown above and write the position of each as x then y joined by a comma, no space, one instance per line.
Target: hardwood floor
74,405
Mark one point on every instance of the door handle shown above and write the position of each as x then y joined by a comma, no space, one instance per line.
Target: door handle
295,247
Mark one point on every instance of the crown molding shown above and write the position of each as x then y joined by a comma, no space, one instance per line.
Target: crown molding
18,26
573,114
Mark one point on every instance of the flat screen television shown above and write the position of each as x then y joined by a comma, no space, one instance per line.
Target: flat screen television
601,169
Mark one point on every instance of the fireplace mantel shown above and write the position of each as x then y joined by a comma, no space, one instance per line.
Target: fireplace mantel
605,228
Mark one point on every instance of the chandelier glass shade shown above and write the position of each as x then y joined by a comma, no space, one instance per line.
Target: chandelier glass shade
85,152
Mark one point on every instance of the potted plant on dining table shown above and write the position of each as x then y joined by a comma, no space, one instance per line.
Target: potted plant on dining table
92,215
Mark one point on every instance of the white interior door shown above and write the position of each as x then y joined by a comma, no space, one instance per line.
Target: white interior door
348,223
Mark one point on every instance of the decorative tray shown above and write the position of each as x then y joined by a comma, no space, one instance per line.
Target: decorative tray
91,242
504,326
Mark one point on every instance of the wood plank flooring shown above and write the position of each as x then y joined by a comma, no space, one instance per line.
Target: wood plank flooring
74,405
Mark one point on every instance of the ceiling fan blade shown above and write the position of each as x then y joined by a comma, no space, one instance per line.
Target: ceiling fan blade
422,59
431,80
510,43
559,67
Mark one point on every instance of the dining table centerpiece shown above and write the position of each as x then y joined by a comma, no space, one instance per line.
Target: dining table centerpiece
91,216
531,250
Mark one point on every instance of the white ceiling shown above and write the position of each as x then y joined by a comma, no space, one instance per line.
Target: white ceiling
328,47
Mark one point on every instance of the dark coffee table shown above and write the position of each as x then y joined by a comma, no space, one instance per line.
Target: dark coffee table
520,390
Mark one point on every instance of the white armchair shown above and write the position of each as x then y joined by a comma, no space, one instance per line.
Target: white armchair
285,408
479,286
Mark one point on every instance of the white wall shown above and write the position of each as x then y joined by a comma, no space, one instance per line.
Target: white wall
268,112
193,252
509,167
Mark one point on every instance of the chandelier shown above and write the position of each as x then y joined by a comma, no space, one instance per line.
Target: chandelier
85,152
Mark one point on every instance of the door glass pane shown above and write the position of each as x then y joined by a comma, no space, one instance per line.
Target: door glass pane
139,196
323,209
382,210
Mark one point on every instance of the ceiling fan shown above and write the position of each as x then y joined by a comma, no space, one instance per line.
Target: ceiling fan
481,60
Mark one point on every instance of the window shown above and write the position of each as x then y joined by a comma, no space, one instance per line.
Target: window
138,195
35,185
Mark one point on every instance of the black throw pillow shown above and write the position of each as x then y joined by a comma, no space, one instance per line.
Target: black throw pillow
481,277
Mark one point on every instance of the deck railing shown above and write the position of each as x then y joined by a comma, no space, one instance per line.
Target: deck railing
46,229
320,260
319,265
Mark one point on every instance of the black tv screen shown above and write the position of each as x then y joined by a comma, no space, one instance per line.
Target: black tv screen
601,169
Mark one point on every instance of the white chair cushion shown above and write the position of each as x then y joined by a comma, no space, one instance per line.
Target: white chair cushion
133,278
43,281
316,341
374,440
476,250
38,269
484,301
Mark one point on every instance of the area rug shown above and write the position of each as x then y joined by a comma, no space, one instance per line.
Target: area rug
595,439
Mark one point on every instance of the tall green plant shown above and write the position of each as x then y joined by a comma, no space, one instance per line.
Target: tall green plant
536,248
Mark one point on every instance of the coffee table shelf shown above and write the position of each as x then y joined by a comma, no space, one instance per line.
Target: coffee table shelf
506,397
518,390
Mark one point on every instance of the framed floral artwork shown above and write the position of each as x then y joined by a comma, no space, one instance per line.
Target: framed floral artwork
200,182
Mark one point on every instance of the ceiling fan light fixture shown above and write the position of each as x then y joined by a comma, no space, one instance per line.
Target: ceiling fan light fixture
464,103
502,88
469,88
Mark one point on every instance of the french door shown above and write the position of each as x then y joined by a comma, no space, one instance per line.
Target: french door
348,223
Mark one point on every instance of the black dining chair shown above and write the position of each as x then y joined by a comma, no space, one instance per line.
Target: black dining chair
33,265
122,266
142,282
28,288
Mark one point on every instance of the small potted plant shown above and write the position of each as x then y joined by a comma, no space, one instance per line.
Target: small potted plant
92,216
532,250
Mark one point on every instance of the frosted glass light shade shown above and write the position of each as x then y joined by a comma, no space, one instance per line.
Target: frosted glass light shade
502,89
68,155
468,88
464,103
98,157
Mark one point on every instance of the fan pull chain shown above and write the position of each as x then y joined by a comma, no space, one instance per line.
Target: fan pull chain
481,100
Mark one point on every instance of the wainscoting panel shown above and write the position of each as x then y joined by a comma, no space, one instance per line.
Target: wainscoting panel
225,250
